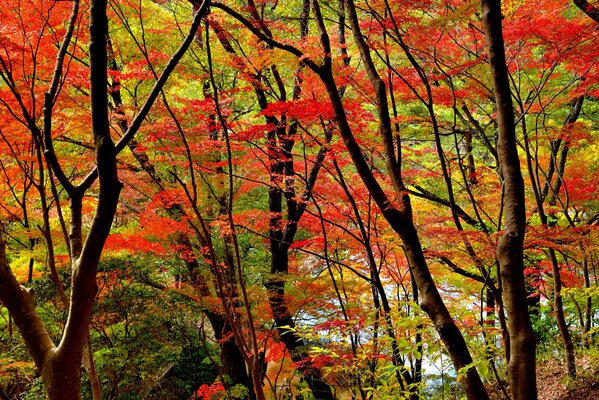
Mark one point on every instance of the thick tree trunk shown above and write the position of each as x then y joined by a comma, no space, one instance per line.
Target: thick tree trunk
61,375
521,365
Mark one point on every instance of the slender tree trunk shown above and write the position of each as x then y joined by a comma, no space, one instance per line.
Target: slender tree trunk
418,370
489,321
90,368
588,304
558,307
470,165
521,365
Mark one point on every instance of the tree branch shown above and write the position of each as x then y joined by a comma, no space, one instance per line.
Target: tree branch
21,306
588,9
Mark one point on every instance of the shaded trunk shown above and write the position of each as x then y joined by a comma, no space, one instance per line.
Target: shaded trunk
284,322
489,321
558,308
232,360
418,370
588,304
470,166
61,375
557,166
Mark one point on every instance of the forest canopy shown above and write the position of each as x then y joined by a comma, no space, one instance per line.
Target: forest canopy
305,199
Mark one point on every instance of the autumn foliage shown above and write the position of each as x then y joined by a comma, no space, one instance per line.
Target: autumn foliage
297,199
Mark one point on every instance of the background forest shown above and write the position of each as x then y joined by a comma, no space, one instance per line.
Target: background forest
305,199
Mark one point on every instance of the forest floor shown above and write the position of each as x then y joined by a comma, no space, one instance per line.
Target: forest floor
553,384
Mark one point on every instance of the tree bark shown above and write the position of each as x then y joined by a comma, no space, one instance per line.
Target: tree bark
588,303
588,9
521,364
21,307
90,368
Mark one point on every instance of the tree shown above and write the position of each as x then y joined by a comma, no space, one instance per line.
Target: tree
59,365
399,217
522,366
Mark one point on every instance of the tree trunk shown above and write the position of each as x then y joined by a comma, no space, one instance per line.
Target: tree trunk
61,375
230,355
588,304
285,324
558,307
521,365
90,368
588,9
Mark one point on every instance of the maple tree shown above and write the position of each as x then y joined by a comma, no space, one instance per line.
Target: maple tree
324,199
59,365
